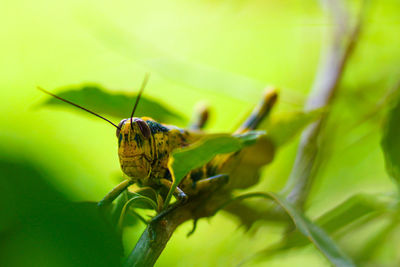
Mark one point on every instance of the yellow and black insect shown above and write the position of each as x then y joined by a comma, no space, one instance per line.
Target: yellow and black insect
144,148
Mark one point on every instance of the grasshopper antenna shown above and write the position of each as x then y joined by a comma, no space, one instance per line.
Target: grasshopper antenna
145,80
76,105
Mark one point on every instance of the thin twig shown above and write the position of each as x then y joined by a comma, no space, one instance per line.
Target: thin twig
332,67
155,238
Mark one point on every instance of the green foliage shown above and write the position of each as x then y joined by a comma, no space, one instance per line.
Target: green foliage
390,142
224,52
306,228
119,105
40,227
315,234
339,219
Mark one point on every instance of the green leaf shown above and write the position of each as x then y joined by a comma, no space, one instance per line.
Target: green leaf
43,228
391,142
311,231
351,210
314,233
381,235
282,128
119,105
183,160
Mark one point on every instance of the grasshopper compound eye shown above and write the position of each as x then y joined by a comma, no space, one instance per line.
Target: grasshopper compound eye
120,127
144,128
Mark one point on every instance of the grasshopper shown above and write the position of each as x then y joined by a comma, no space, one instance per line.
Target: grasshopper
144,147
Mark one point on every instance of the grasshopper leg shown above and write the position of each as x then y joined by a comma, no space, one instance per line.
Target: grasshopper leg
260,112
114,193
178,193
193,228
211,183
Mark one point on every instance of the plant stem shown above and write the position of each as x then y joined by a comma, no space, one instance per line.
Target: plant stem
331,70
155,238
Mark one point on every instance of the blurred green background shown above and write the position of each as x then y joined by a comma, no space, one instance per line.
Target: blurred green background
220,52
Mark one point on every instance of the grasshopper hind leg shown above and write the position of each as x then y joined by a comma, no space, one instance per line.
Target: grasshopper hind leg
260,112
180,196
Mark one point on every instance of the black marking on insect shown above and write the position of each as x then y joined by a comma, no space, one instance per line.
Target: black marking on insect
211,170
167,175
119,140
138,140
197,174
156,127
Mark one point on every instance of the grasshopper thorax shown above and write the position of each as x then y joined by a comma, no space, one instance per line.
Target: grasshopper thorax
135,148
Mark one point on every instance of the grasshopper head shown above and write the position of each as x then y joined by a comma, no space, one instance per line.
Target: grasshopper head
135,148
